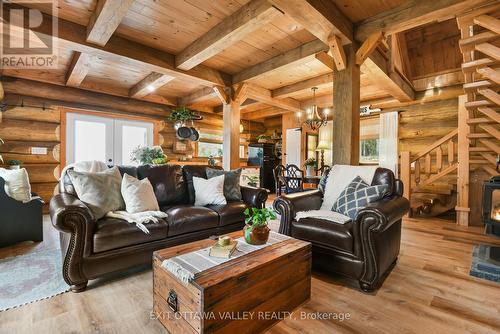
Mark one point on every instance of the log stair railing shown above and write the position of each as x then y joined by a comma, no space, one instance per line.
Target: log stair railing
430,177
479,109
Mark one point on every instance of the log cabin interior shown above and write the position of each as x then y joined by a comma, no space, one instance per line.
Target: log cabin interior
304,104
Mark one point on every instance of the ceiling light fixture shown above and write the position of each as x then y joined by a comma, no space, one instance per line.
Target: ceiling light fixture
313,120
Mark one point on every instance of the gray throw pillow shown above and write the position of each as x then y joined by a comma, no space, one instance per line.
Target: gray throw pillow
101,191
232,190
356,196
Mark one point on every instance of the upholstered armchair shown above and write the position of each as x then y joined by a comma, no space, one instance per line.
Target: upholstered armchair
19,221
364,249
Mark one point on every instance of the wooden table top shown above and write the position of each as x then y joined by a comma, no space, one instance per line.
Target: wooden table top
237,266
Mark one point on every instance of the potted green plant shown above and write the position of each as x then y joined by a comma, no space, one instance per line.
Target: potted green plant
14,164
256,230
310,165
263,138
180,115
145,155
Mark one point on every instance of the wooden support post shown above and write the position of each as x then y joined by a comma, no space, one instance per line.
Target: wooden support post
462,207
406,176
346,96
231,135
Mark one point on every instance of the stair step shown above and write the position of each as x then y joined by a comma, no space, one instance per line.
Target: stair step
478,104
490,95
480,120
471,66
477,85
489,73
468,44
489,49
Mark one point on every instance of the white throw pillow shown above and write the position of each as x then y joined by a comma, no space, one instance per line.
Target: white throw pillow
209,191
138,195
17,183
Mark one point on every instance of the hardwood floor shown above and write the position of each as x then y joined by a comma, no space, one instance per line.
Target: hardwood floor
429,291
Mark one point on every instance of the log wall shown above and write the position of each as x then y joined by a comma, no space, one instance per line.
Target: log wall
422,124
38,124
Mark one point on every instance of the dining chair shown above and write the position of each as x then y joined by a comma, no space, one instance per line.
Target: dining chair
294,179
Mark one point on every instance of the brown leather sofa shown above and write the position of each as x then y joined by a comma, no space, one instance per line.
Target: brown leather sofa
93,248
365,249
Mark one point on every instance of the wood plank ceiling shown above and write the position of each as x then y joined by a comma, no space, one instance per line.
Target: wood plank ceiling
256,43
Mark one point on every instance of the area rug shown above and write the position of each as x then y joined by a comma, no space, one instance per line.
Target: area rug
28,278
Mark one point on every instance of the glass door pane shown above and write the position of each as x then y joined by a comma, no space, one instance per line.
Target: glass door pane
129,135
89,138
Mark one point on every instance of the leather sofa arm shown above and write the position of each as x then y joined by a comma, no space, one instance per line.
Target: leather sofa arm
62,206
384,212
255,197
288,205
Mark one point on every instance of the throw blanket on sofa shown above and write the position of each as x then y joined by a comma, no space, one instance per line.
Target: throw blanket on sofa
187,267
339,178
139,218
329,215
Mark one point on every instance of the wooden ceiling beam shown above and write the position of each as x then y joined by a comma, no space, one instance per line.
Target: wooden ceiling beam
196,97
392,81
264,95
249,18
368,46
73,36
326,59
106,19
287,58
415,14
264,113
78,69
321,18
149,84
286,91
337,51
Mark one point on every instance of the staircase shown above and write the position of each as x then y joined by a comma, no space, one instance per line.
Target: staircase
430,177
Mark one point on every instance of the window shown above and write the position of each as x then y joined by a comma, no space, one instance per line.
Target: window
369,150
206,149
106,139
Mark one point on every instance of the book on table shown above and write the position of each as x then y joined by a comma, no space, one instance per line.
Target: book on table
226,251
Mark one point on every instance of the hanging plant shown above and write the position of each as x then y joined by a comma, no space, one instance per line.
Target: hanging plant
181,114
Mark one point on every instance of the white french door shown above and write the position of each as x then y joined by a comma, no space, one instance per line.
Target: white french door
293,146
110,140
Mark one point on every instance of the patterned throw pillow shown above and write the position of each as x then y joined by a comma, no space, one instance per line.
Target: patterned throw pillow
357,195
232,190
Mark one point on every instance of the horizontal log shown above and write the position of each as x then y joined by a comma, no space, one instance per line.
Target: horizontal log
42,173
13,129
24,147
44,190
50,114
81,97
31,158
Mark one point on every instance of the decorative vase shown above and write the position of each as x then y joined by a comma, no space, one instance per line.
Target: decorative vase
256,235
15,167
309,170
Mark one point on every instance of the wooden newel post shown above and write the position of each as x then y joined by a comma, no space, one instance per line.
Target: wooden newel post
406,176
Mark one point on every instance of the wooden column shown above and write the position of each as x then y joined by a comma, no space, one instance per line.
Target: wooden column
406,176
231,137
462,208
346,110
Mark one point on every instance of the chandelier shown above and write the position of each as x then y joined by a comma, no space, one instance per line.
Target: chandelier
313,119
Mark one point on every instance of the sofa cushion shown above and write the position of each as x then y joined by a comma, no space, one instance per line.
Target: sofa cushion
232,189
190,171
186,218
230,213
167,181
323,232
112,233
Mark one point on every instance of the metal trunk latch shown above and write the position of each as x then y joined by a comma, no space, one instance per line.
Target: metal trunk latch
172,301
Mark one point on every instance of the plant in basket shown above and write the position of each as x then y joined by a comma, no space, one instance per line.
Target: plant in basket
256,231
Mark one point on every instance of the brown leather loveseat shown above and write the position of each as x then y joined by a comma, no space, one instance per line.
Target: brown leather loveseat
93,248
364,249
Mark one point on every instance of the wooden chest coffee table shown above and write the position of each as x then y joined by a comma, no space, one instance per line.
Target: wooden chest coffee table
245,295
